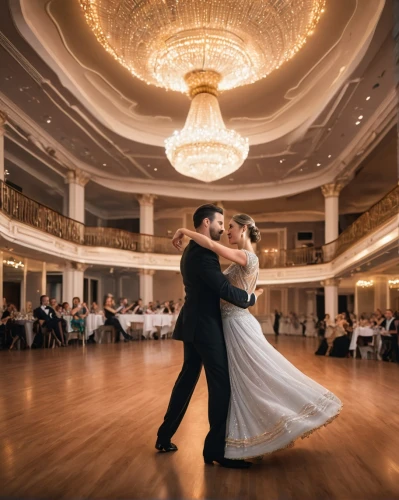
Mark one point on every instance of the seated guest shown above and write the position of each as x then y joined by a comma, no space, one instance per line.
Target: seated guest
95,308
167,308
55,306
17,331
66,309
111,320
123,305
178,306
28,308
150,308
138,307
79,313
47,317
340,340
390,337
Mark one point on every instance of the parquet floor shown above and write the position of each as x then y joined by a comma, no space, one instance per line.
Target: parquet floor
81,423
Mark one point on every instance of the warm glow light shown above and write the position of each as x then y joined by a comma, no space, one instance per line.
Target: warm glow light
394,283
365,283
11,262
202,48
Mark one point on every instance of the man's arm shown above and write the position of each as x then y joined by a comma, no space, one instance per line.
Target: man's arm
212,275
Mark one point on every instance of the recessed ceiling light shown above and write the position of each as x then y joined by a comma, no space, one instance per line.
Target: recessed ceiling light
319,164
148,165
104,164
282,161
48,120
301,169
368,98
329,156
357,123
155,169
361,117
231,179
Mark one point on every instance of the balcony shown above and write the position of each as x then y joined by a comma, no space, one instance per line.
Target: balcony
18,207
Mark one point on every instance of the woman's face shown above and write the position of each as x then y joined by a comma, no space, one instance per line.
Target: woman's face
140,303
108,302
234,232
75,302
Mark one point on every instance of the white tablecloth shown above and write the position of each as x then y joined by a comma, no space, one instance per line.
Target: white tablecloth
28,330
93,321
361,331
150,322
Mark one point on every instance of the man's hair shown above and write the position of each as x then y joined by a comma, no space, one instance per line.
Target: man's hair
205,212
389,310
42,297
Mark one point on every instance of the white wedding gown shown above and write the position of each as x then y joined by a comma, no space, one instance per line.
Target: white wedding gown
272,402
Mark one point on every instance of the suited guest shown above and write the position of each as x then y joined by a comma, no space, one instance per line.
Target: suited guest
138,307
276,324
48,318
390,337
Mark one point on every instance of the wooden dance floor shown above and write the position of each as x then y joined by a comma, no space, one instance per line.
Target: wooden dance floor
81,423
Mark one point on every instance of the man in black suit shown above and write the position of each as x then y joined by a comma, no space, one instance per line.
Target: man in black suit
389,337
47,317
199,326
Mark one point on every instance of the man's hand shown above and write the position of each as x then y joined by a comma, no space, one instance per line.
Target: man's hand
177,240
258,292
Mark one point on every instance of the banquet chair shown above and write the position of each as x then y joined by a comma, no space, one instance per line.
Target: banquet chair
368,351
107,330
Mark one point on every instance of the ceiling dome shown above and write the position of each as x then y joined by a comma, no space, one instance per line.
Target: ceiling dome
161,41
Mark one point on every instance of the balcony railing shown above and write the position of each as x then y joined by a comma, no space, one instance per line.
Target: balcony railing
23,209
124,240
19,207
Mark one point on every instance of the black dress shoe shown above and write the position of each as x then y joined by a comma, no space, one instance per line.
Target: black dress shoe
228,463
165,446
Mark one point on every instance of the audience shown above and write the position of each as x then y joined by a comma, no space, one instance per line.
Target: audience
79,313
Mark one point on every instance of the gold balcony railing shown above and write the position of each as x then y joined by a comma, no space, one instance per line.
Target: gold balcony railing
19,207
124,240
23,209
380,213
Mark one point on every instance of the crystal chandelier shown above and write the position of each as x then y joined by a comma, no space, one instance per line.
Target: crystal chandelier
365,283
202,47
11,262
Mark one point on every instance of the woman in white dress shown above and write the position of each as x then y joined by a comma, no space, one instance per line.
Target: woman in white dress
272,402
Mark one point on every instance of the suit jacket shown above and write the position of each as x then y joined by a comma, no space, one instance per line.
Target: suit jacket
392,327
200,318
40,314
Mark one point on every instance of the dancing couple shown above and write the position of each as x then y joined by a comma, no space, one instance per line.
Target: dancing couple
258,401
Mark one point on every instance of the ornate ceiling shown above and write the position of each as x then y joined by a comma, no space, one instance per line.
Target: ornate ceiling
72,105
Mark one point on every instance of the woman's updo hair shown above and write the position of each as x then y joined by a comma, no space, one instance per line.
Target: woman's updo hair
246,220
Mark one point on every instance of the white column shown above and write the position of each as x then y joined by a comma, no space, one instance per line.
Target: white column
23,285
3,119
147,285
77,180
381,292
331,208
44,279
284,300
146,213
331,297
296,300
310,302
72,281
267,300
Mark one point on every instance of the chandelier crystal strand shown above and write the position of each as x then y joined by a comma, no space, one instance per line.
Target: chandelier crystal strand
200,48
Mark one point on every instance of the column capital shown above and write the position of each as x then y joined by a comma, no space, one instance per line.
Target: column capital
146,200
77,177
332,190
146,272
331,282
76,266
3,121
